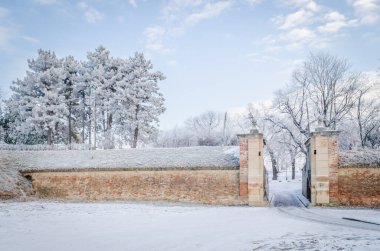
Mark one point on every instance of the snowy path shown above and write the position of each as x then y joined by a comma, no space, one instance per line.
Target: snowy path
285,199
285,196
310,215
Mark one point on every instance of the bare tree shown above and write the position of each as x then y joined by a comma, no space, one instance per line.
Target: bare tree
293,150
322,87
331,87
206,126
368,116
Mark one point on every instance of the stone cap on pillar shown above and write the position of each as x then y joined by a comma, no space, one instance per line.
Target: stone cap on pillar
252,133
322,130
325,132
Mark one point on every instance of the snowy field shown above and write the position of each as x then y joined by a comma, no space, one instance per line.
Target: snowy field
168,226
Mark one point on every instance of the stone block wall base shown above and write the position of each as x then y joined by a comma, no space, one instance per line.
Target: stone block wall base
262,203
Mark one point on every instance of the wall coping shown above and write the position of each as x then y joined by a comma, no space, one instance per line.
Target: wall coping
190,158
247,135
112,169
325,133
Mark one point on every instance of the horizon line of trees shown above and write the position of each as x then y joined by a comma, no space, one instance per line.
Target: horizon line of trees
104,101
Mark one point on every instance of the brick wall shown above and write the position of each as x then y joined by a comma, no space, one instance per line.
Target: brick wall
358,186
243,167
333,159
199,186
337,178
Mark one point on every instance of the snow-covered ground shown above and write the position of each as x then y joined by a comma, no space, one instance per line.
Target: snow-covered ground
42,225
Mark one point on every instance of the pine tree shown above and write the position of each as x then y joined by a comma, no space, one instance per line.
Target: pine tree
69,89
38,107
101,72
146,102
60,98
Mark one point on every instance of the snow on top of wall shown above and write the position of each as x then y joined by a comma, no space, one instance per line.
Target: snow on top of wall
363,158
217,157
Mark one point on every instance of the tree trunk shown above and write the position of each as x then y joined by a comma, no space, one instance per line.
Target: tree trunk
69,126
90,111
274,163
293,168
136,131
362,138
94,125
135,137
109,142
83,116
50,136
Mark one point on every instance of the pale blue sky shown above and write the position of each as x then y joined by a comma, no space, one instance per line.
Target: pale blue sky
216,55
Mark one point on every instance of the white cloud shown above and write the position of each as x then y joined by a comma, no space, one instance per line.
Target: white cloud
133,3
309,4
253,2
299,34
178,16
312,6
210,10
177,8
154,39
367,10
311,25
297,18
30,39
48,2
335,22
304,15
91,14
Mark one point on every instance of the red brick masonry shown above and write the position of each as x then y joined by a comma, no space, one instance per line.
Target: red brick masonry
199,186
358,186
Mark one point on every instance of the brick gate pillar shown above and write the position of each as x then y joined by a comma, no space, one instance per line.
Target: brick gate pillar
252,171
324,161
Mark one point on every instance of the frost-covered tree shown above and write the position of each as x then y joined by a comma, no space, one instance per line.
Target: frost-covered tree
146,102
322,87
2,119
176,137
368,115
102,90
207,127
35,108
99,100
330,86
48,109
70,91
